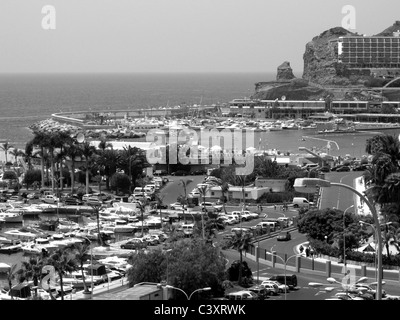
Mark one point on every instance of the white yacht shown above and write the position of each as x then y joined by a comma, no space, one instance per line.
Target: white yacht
11,216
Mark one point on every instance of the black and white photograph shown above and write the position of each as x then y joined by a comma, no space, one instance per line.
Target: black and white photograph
196,155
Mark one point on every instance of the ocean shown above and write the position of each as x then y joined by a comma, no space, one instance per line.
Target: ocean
29,98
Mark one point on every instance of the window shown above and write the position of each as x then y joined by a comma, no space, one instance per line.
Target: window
212,193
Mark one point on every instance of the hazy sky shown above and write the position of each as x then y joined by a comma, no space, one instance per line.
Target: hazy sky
174,35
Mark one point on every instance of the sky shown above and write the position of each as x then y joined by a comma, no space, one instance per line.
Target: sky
173,35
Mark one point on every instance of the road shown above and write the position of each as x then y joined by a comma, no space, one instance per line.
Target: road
174,187
339,197
331,197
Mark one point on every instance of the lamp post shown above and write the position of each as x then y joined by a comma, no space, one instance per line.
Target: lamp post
307,185
344,238
188,296
285,263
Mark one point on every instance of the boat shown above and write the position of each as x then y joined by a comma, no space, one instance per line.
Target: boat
10,248
20,235
11,216
46,207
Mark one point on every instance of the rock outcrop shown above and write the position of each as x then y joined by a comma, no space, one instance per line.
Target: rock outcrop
285,72
320,59
389,32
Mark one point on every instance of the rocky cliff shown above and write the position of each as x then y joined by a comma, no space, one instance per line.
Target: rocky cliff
320,59
285,72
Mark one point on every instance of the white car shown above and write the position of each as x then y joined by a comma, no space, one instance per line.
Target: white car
50,199
228,219
232,217
281,287
176,206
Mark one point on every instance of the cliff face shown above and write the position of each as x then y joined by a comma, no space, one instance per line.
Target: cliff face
285,72
388,32
320,62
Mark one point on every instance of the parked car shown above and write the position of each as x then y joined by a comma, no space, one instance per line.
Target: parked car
93,201
151,240
291,279
33,195
281,287
324,169
343,169
176,206
180,173
271,288
72,201
198,172
49,199
260,291
284,236
243,295
86,196
133,244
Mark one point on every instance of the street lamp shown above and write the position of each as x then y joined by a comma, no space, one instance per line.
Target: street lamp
307,185
285,263
188,296
344,238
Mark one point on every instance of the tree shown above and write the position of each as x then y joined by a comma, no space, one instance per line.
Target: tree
72,152
192,264
31,269
241,242
31,176
16,153
109,161
184,183
159,197
142,204
383,176
6,147
120,181
87,152
82,255
224,190
11,275
63,262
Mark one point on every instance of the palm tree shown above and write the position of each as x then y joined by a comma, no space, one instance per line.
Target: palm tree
40,140
142,207
82,254
5,147
16,153
159,197
31,269
72,152
384,174
241,242
203,191
224,189
109,160
184,184
63,262
87,152
104,144
11,275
